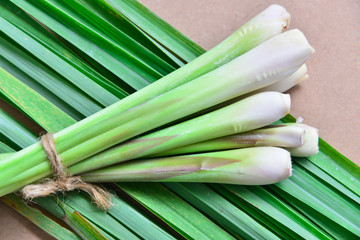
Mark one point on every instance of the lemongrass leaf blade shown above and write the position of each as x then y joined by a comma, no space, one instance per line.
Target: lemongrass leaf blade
331,227
231,218
62,64
36,106
109,14
14,134
37,217
158,28
114,35
125,66
181,216
273,208
320,174
339,209
4,148
29,81
79,224
35,73
119,212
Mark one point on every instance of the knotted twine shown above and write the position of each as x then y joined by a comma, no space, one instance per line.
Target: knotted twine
62,181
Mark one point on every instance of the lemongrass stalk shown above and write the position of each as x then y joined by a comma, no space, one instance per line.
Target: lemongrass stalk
311,142
248,166
276,58
282,135
289,82
269,23
4,156
250,113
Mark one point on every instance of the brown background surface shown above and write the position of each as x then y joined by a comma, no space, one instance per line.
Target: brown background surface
329,99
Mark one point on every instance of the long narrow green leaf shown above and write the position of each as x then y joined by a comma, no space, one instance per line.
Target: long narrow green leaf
43,46
113,34
325,178
71,217
331,227
319,197
80,224
101,220
338,166
109,14
12,133
271,210
36,106
38,218
252,211
120,212
29,81
231,217
157,28
4,149
119,61
174,211
36,75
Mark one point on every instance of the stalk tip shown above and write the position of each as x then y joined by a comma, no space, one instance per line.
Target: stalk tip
278,13
287,100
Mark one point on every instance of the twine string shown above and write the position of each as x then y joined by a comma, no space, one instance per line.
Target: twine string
62,181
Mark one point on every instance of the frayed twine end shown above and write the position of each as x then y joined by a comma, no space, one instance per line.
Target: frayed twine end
62,182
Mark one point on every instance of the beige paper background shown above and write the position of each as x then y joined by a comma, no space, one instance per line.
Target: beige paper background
329,99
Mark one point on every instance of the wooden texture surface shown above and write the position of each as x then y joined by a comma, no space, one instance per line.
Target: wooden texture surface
328,100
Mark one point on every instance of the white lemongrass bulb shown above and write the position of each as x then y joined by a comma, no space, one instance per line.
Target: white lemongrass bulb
311,143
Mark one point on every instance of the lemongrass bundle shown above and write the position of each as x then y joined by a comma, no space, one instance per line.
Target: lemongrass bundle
269,62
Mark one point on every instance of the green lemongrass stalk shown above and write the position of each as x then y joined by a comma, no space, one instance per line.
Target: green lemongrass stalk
269,23
4,156
311,142
306,137
282,135
276,58
248,166
250,113
289,82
